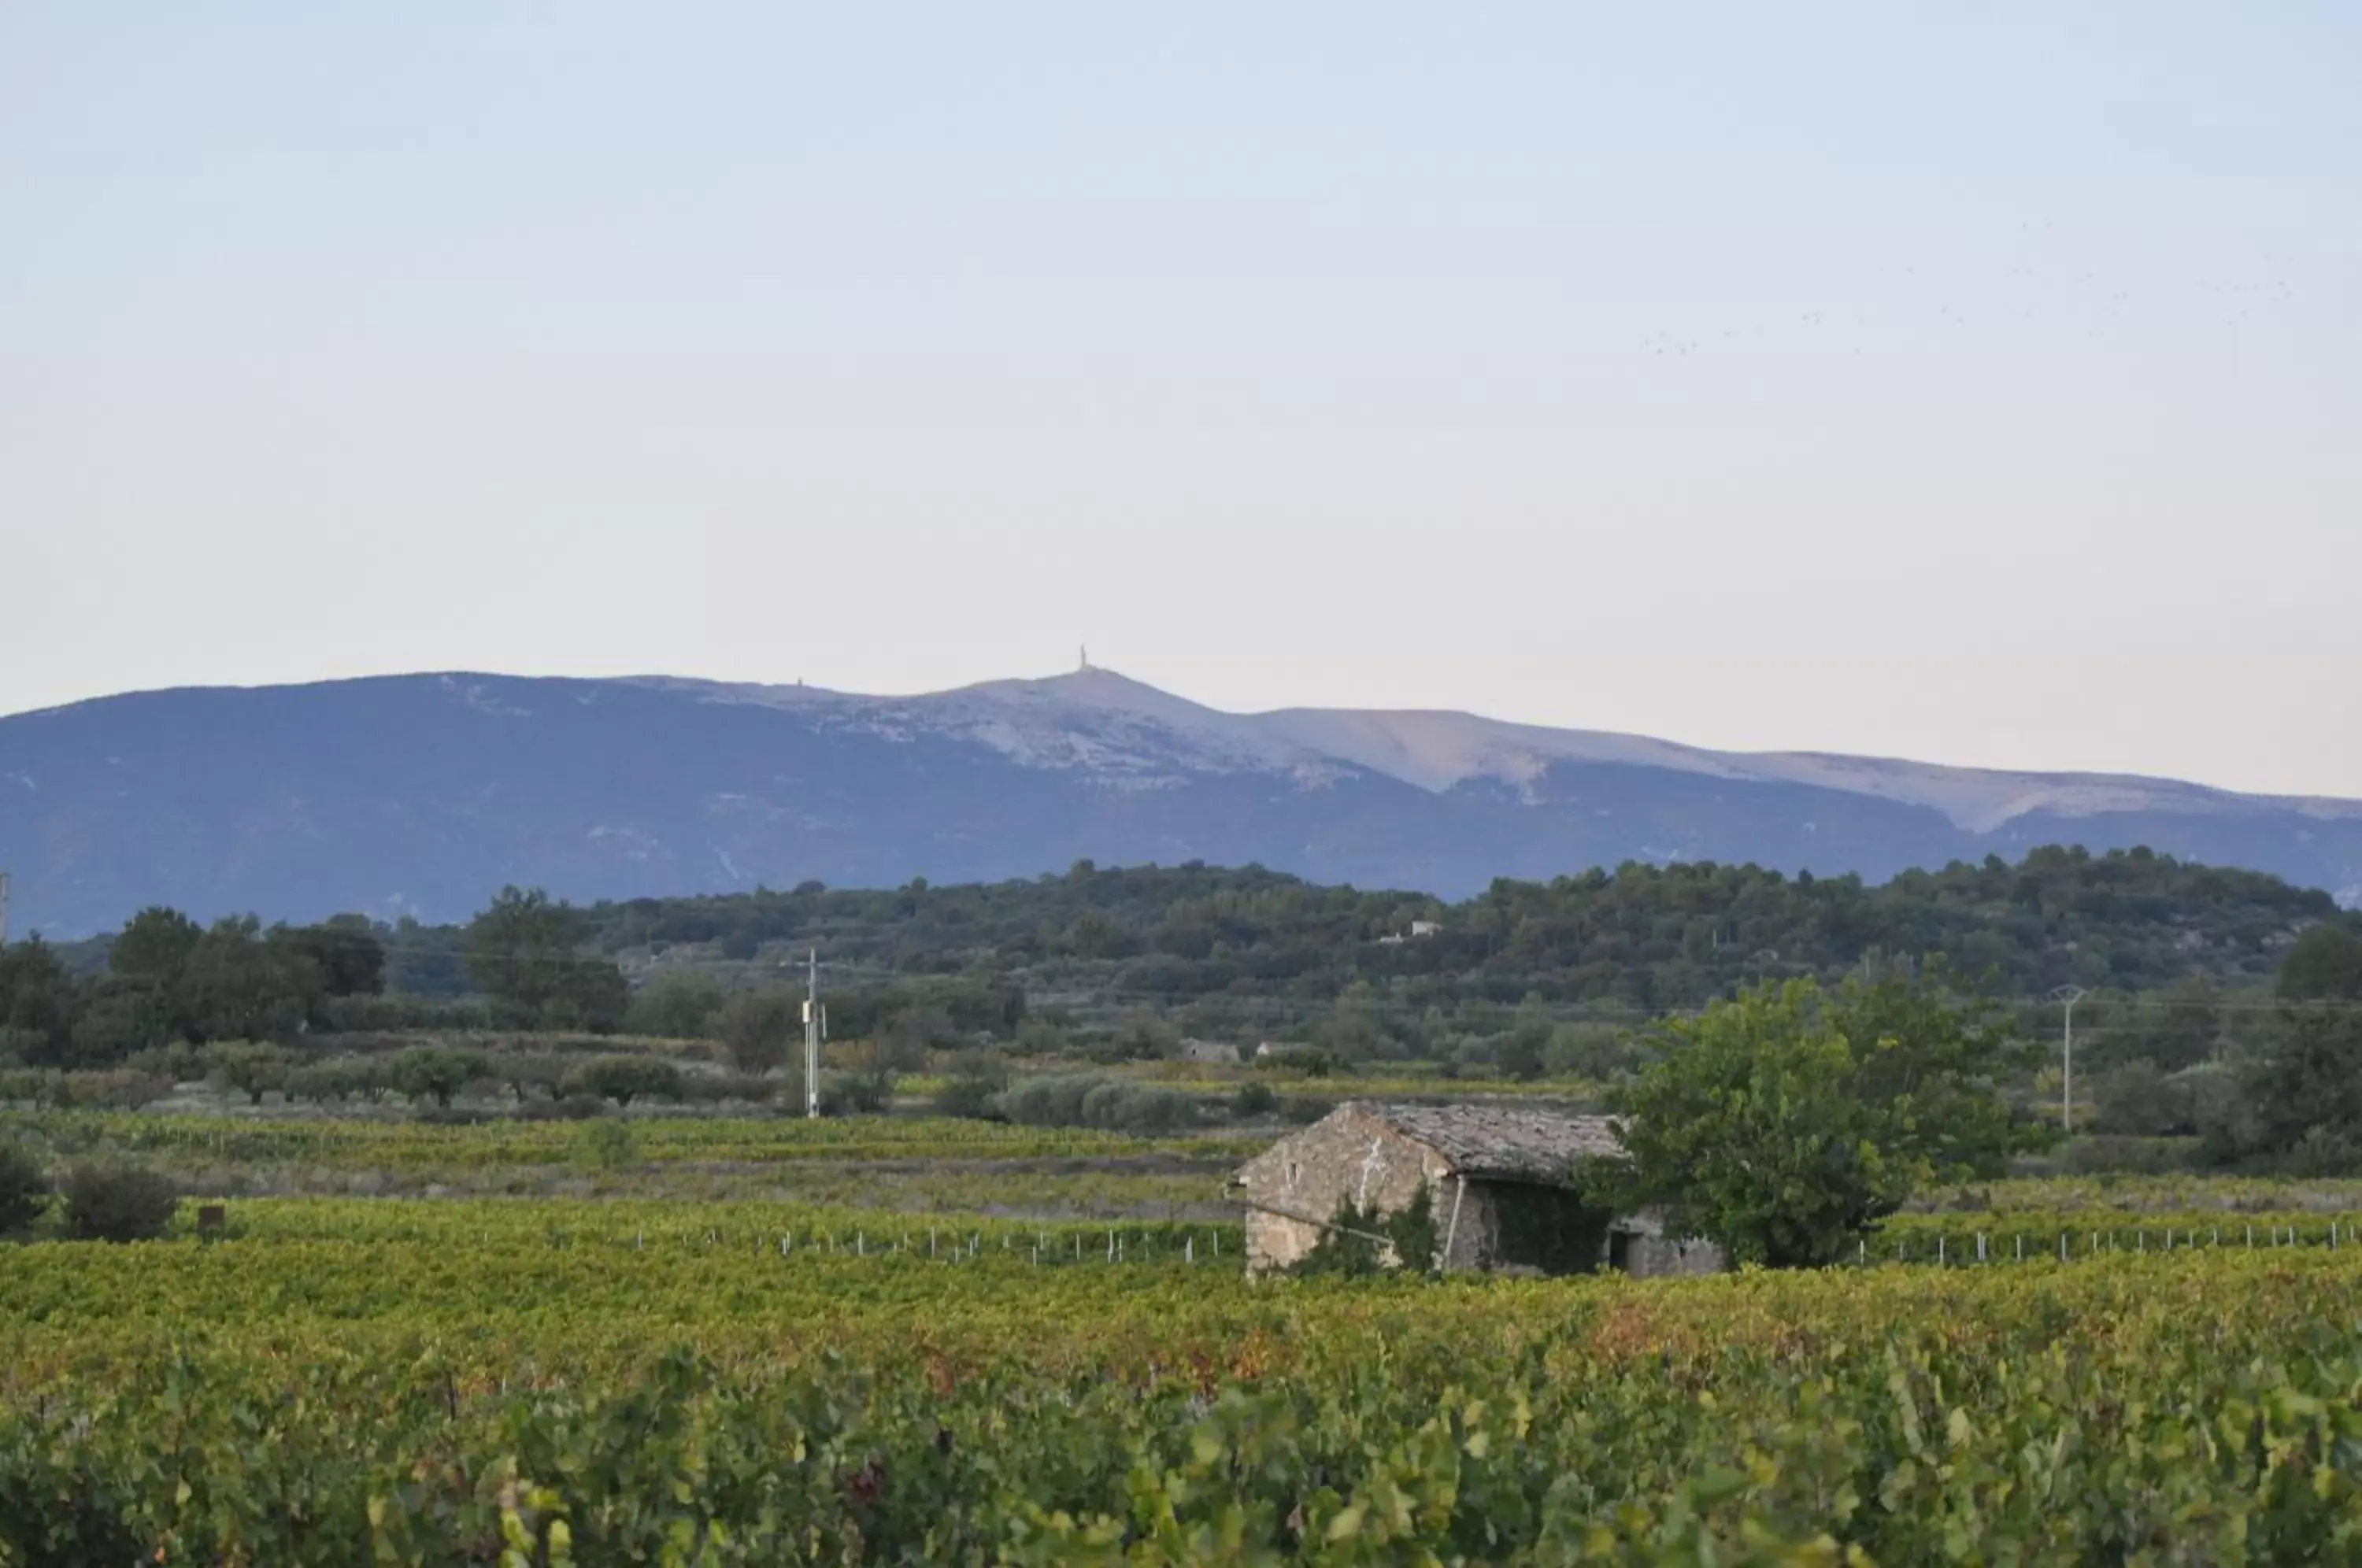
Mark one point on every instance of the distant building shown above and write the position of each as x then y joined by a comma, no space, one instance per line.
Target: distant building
1274,1050
1426,928
1208,1052
1501,1181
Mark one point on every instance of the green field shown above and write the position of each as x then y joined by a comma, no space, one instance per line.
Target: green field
915,1164
333,1385
931,1365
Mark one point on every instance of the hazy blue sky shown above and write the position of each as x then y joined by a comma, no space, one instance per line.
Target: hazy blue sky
1975,383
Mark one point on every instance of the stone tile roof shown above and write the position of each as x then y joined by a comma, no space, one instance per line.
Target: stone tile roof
1507,1143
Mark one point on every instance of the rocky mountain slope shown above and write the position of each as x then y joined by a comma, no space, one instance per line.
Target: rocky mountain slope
422,794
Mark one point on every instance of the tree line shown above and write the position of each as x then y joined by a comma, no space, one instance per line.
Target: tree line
1526,979
1663,937
1785,1123
166,980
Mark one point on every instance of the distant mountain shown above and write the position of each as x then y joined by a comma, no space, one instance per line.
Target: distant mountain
422,794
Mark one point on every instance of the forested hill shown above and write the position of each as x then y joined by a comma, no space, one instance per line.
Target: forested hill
1128,960
1644,936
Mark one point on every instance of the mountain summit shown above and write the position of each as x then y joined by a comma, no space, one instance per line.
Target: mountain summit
421,794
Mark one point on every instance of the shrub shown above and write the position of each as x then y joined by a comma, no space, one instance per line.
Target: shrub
1364,1241
759,1026
977,1079
858,1094
114,1090
568,1108
2323,1152
176,1062
367,1014
1521,1057
676,1006
252,1070
607,1147
2136,1100
117,1203
2135,1156
24,1190
1303,1110
1104,1100
428,1072
1253,1100
626,1078
523,1072
721,1088
337,1078
126,1091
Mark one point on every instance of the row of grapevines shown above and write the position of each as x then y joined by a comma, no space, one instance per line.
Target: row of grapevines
463,1396
390,1143
2182,1192
2088,1233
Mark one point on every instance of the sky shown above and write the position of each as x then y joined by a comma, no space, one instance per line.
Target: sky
1976,384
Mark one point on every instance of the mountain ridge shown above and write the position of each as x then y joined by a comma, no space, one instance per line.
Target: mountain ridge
1329,731
422,793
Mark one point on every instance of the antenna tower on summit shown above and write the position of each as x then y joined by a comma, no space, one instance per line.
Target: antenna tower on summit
1083,663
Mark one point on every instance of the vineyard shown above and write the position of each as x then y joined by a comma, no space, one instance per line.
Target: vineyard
913,1165
535,1382
934,1360
352,1143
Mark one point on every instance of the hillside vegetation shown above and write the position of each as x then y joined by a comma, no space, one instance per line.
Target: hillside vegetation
2184,1032
1645,936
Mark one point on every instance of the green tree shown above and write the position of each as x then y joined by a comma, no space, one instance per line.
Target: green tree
116,1203
321,1082
2136,1099
254,1070
346,950
24,1188
525,952
678,1005
1783,1125
523,1072
1094,935
977,1079
2177,1029
433,1072
1523,1054
626,1078
2304,1087
519,949
236,986
37,1003
153,946
592,996
756,1027
120,1016
2324,964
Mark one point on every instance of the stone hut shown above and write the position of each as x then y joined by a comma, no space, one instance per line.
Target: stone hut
1500,1180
